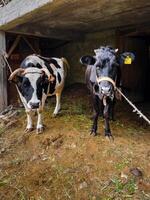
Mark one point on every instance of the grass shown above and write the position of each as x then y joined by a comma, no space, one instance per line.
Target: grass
2,130
3,182
121,165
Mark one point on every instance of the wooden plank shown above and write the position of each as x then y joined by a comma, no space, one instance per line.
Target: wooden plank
3,77
43,31
13,46
29,44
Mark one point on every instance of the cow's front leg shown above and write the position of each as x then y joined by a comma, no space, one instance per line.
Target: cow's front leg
107,125
111,110
57,108
29,126
39,127
97,112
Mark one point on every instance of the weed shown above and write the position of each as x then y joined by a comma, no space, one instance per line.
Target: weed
4,182
122,165
131,186
2,129
127,188
118,185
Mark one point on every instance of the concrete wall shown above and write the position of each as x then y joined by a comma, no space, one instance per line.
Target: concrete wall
74,50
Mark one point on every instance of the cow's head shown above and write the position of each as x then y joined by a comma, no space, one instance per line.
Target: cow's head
31,82
106,62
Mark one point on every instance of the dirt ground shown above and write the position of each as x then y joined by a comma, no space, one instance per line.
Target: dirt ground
65,162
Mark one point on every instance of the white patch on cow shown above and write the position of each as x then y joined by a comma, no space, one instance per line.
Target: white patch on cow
29,121
44,96
61,71
33,74
57,108
39,121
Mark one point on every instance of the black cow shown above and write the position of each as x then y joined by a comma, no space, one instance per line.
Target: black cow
102,75
37,78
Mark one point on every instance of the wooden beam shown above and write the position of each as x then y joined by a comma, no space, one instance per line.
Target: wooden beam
12,48
29,44
3,76
46,32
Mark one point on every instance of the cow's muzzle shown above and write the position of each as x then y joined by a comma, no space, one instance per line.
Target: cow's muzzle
34,105
106,90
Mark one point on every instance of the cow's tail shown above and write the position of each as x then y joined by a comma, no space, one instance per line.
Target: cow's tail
66,65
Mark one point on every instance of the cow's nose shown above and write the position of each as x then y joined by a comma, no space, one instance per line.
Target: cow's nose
34,105
106,90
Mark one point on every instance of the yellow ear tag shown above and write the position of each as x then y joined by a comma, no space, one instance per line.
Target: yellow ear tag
128,60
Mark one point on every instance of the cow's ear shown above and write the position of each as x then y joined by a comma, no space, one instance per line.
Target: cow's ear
17,79
87,60
127,58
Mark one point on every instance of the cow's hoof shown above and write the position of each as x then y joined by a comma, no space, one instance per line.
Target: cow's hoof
28,130
109,137
94,133
40,130
54,114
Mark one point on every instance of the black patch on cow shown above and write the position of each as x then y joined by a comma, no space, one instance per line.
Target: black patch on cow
29,62
59,77
26,89
39,84
52,86
50,61
54,62
96,88
25,64
49,68
38,65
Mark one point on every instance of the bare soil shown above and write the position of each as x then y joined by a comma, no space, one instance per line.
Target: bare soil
65,162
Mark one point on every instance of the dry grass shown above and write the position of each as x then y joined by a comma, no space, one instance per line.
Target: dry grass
65,162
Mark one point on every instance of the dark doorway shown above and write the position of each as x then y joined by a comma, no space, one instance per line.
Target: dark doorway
136,77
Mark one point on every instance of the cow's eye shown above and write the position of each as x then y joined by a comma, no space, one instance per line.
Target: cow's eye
25,85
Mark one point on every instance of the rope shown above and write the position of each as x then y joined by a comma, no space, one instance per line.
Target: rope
136,110
105,78
7,63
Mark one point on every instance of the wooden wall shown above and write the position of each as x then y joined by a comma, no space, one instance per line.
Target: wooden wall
3,78
135,77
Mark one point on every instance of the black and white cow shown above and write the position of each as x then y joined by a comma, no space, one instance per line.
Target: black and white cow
102,75
37,78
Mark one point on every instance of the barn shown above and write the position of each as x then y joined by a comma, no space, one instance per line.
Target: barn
66,162
73,28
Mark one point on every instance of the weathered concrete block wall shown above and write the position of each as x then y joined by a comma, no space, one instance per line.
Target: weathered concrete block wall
74,50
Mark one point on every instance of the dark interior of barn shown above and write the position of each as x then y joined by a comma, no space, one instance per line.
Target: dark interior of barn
135,77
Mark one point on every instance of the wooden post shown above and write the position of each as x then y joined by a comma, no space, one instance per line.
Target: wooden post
3,76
